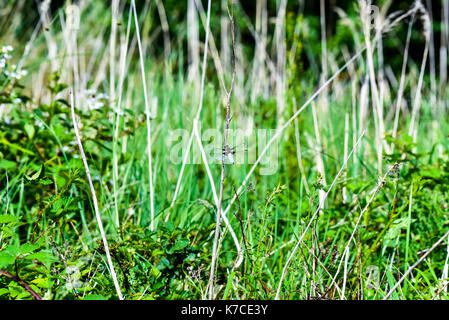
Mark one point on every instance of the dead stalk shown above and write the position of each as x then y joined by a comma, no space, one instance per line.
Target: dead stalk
225,143
72,48
94,199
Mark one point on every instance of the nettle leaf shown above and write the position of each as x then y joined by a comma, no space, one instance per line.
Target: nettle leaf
367,235
22,295
45,181
396,227
8,218
36,175
43,256
57,205
7,165
13,249
6,259
42,282
432,173
7,232
27,248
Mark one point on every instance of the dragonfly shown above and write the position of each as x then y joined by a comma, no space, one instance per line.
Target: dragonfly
228,152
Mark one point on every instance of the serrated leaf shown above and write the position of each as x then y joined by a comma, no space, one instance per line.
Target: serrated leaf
7,232
8,218
45,181
43,256
395,229
42,282
13,249
6,259
35,175
27,248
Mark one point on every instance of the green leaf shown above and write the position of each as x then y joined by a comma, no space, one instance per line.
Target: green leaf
7,231
170,226
43,256
27,248
395,229
7,218
45,181
7,165
42,282
36,175
29,129
163,264
228,285
6,259
13,249
181,244
95,297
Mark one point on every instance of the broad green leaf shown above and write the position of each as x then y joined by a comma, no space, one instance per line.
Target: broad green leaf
29,129
7,218
43,256
181,244
6,259
27,248
13,249
395,229
7,165
42,282
170,226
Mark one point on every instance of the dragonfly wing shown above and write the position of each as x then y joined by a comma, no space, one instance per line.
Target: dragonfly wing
230,158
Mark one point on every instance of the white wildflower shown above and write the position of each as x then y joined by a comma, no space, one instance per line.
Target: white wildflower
94,100
102,96
6,49
39,124
94,105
